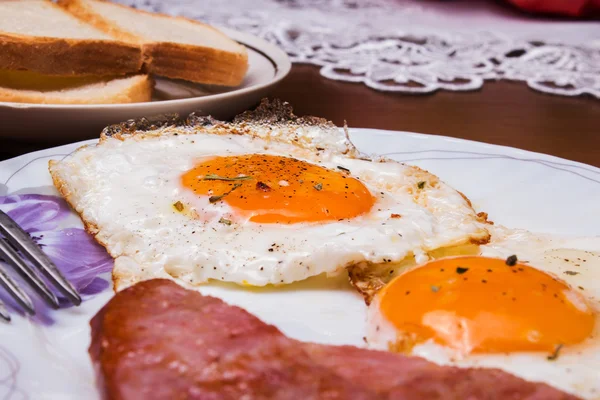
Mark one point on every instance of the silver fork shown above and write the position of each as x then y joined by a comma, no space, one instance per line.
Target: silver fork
13,240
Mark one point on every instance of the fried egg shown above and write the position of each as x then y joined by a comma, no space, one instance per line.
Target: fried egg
255,204
528,304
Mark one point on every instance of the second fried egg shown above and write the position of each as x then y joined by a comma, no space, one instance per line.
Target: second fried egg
528,304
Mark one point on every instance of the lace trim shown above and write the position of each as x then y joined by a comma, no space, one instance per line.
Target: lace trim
360,42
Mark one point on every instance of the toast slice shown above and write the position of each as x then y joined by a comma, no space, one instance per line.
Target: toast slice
27,87
174,47
37,35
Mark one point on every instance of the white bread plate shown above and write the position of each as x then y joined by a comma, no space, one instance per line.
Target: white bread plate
53,123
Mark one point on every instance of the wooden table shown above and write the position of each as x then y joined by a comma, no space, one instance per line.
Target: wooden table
506,113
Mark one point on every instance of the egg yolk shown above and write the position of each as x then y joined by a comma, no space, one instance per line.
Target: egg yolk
483,305
275,189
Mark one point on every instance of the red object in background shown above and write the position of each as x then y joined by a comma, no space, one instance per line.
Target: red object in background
573,8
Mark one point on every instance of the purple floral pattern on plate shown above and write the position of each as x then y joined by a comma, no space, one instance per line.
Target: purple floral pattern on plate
73,250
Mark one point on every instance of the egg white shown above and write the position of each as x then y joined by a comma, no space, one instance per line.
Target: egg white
125,191
574,260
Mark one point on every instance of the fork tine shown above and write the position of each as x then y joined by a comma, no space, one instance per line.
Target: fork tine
21,240
13,258
4,312
16,292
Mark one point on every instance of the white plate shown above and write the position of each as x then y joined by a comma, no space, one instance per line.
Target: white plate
51,122
517,188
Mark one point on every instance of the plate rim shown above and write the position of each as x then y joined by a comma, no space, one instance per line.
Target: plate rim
275,55
485,144
381,131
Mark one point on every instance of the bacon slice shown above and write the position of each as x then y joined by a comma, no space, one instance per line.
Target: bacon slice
156,340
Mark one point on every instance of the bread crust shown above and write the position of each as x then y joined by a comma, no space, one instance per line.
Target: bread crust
68,57
174,60
80,10
196,64
140,91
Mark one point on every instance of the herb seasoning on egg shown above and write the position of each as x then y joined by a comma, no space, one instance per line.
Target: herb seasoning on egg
178,206
511,261
555,353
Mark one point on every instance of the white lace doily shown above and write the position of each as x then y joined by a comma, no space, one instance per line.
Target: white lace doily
414,47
